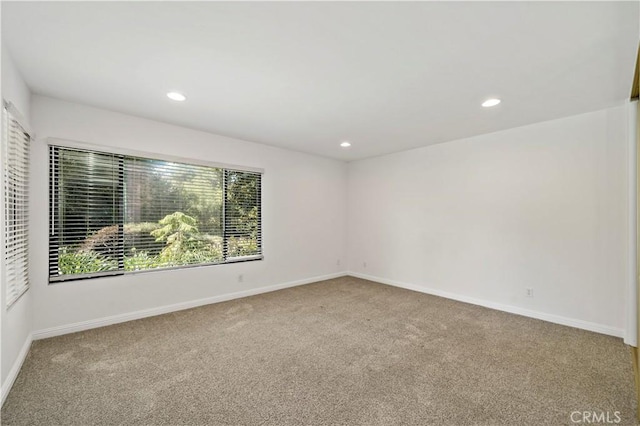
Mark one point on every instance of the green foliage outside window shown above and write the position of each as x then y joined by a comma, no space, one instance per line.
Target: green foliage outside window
182,243
83,262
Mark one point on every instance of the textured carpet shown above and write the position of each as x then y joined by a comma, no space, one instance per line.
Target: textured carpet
338,352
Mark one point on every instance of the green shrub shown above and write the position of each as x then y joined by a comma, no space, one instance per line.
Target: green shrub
83,262
138,236
242,246
199,252
140,260
179,233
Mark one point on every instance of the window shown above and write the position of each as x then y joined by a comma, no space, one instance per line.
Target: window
112,214
15,167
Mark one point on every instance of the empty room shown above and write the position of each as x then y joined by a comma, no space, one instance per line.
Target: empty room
319,213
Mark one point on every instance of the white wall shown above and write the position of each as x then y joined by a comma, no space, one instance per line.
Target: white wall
17,320
304,216
481,219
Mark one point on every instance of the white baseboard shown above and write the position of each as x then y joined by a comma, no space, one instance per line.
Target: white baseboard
115,319
557,319
15,369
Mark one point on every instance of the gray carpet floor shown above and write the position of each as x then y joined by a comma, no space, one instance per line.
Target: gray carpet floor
338,352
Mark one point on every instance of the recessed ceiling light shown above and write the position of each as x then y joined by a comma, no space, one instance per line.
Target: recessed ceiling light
490,102
176,96
345,144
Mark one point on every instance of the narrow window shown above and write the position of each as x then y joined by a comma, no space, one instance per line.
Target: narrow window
15,166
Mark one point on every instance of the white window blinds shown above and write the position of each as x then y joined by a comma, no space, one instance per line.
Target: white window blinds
112,214
15,167
85,213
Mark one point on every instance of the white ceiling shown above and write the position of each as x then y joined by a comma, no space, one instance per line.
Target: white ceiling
306,76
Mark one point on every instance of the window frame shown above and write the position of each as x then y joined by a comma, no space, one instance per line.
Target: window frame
67,144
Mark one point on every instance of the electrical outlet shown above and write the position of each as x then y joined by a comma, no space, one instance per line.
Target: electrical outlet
240,278
338,262
364,264
528,292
